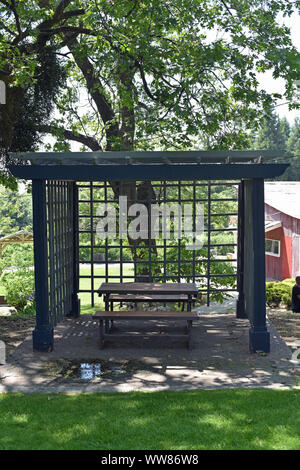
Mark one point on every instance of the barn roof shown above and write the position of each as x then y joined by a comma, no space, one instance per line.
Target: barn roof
284,196
272,225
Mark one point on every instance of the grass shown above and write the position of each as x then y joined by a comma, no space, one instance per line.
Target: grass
85,283
202,419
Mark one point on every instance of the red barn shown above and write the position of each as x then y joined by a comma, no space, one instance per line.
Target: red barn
282,230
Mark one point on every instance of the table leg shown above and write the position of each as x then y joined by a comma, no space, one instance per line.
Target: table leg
189,305
101,334
106,301
111,321
189,333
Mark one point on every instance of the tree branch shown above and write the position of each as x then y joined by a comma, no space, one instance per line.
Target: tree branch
14,10
71,13
94,87
88,141
145,84
68,29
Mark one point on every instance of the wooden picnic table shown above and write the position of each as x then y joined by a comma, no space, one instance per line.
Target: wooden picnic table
146,292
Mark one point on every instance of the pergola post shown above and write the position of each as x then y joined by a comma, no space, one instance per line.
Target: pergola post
43,332
259,336
75,301
240,304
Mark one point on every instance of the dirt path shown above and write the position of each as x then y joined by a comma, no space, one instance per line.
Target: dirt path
14,329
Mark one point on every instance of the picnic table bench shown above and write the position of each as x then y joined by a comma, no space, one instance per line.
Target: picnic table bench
145,292
103,316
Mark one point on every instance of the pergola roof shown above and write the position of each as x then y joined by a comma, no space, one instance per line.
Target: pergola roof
17,237
22,236
149,157
168,165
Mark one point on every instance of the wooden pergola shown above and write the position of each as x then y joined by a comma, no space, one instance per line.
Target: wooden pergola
22,236
55,178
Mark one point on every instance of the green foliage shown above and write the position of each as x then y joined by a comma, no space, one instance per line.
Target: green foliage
277,134
16,256
273,133
38,101
279,292
17,277
157,74
32,72
15,211
218,270
19,288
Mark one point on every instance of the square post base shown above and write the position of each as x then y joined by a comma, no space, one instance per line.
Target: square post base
259,340
43,339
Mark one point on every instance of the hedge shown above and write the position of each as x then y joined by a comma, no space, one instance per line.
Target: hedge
279,293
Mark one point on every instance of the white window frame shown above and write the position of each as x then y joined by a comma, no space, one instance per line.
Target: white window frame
271,253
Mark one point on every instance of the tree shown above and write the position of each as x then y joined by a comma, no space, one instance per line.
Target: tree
273,134
30,70
158,74
15,212
172,74
293,147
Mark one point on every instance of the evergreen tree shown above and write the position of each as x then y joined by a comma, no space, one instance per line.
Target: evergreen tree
293,148
273,134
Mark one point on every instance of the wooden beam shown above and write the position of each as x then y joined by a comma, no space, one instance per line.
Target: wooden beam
148,172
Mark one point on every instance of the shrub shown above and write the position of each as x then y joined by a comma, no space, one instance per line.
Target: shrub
16,256
279,292
19,288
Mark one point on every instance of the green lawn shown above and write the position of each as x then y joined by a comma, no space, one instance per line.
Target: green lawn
85,298
202,419
113,270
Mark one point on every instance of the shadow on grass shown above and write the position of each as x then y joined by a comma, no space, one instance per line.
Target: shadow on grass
215,419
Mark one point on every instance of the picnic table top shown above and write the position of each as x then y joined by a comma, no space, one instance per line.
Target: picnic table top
189,288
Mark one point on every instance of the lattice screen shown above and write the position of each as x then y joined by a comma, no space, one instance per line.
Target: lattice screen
213,267
60,248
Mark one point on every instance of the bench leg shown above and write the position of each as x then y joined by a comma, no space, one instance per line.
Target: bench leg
189,333
106,326
111,321
101,334
106,302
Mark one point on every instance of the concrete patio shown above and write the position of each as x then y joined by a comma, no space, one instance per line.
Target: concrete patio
220,358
